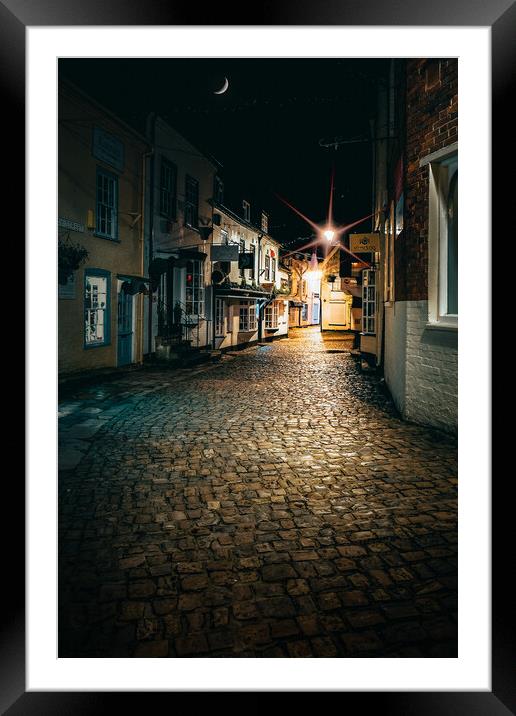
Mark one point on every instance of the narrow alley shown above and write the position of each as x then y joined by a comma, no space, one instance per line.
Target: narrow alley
270,505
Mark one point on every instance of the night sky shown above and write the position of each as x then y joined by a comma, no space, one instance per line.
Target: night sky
265,130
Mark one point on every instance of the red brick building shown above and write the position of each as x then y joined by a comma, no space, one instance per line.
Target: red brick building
416,197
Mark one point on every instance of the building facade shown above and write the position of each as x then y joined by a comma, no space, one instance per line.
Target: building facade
305,292
180,188
340,295
246,280
100,236
416,206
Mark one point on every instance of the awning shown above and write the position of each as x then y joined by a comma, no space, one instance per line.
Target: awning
352,290
178,257
296,304
134,284
240,293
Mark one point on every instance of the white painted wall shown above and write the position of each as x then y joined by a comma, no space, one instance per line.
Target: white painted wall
421,366
395,351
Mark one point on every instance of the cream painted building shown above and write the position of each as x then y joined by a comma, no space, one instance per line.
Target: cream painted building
100,209
337,312
246,280
305,293
180,191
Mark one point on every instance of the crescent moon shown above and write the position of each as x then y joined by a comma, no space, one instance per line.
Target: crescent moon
223,88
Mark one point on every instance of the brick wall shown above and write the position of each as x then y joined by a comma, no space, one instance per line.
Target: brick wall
431,124
420,362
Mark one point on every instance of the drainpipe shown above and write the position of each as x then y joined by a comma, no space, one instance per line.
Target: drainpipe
151,221
260,327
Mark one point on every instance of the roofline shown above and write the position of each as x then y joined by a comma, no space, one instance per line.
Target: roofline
243,222
111,115
212,160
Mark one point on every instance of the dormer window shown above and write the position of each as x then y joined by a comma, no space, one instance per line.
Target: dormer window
265,223
246,210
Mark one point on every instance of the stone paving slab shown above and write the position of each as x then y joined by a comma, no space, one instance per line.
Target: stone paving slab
270,505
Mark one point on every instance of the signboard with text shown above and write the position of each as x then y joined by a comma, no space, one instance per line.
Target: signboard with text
108,148
364,243
224,252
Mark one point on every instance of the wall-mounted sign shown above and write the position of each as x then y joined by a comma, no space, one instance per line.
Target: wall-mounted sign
364,243
67,290
224,252
72,225
108,148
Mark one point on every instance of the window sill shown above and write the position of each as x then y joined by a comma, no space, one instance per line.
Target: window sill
107,238
89,346
442,326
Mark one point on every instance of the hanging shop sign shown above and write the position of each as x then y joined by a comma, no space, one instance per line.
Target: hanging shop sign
364,243
224,252
108,148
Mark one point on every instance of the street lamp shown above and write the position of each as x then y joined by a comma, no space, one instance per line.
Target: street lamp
329,234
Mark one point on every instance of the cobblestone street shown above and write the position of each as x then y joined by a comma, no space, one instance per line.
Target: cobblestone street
270,505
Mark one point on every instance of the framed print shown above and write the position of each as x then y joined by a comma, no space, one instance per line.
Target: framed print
244,423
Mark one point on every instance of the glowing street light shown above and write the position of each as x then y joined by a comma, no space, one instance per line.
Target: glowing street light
329,234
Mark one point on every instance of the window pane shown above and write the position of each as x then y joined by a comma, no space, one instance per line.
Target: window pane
453,246
95,307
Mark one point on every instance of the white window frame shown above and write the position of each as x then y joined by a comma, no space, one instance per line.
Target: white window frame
441,167
194,304
221,312
265,222
267,266
247,320
390,228
369,277
246,206
96,308
271,315
106,205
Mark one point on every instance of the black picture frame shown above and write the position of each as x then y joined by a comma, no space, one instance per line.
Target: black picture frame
500,15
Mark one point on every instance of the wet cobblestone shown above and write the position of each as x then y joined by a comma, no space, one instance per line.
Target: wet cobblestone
272,505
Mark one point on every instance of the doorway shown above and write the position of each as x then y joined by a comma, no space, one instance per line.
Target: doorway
125,328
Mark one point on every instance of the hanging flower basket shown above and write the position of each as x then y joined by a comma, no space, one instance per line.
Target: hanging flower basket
70,257
332,278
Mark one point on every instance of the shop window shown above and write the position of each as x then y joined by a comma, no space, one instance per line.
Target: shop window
220,317
369,302
96,308
271,315
194,295
247,317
